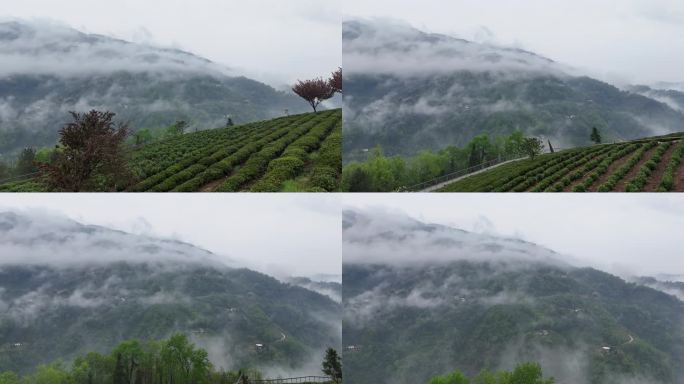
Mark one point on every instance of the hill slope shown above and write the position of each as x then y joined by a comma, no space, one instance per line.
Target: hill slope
422,300
407,90
293,153
648,165
96,287
48,70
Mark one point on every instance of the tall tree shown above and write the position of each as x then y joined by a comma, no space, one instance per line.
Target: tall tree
26,162
595,135
142,136
332,366
533,147
119,376
336,81
4,170
92,154
314,91
550,146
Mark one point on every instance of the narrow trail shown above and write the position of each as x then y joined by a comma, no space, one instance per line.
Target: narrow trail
631,340
212,185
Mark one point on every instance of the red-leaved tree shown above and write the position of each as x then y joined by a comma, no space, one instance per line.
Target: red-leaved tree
314,91
91,157
336,81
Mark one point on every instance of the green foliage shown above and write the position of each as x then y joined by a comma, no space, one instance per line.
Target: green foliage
26,162
667,181
451,378
491,316
9,378
204,99
332,365
596,168
565,108
241,155
380,173
193,161
525,373
248,306
143,136
533,147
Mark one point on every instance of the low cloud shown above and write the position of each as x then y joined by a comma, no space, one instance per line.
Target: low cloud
380,236
48,48
33,238
392,47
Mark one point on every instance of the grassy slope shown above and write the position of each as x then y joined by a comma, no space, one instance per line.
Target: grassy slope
300,152
565,167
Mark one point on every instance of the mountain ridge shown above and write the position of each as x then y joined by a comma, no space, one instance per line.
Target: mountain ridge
50,70
407,93
405,322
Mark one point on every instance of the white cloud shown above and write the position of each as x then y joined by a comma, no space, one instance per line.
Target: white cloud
586,34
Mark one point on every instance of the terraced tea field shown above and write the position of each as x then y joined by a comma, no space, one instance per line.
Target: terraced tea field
645,165
294,153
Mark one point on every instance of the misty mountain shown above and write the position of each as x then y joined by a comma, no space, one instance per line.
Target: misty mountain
408,90
673,97
450,302
48,70
328,288
664,284
100,286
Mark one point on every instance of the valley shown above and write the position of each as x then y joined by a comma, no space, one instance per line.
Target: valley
99,292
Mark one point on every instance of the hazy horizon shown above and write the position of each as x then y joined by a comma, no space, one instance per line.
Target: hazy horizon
624,234
265,238
633,42
265,40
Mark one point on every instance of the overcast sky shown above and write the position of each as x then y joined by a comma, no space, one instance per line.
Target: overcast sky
271,40
622,233
637,41
279,234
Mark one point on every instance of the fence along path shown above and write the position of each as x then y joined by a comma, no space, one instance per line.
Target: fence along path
290,380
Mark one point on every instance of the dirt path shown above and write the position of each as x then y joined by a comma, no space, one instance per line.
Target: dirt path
445,183
631,340
657,174
679,178
611,168
212,185
620,186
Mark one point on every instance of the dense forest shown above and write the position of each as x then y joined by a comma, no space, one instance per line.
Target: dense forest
381,173
526,373
491,303
172,361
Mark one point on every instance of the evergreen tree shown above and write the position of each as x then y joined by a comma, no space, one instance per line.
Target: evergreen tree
332,366
26,162
595,136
